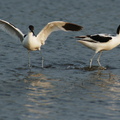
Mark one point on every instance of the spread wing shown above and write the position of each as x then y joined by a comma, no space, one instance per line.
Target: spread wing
55,26
11,30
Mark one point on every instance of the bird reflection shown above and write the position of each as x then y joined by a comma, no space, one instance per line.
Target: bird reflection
39,80
108,76
103,89
102,82
40,91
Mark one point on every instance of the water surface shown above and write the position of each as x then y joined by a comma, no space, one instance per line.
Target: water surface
64,89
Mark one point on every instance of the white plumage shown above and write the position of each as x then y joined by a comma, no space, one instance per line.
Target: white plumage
33,42
100,42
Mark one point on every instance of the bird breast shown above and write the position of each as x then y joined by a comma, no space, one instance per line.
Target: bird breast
31,43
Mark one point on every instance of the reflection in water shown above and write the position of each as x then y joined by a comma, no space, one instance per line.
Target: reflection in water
105,79
105,90
39,101
100,91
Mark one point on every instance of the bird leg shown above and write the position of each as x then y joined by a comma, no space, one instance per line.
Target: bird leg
98,59
29,59
92,60
42,59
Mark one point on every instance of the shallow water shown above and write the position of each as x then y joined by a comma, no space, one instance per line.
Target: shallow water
65,89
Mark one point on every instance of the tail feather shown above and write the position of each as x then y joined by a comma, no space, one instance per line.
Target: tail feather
72,27
80,37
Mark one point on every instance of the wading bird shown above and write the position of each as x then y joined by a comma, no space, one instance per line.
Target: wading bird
100,42
34,42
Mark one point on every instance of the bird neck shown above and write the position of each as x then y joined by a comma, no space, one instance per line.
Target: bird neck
118,30
118,35
31,32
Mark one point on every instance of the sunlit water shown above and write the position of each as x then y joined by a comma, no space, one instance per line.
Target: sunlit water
65,89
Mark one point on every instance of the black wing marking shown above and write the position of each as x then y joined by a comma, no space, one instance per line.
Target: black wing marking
100,38
72,27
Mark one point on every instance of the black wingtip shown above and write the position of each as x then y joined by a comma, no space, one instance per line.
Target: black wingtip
118,30
72,27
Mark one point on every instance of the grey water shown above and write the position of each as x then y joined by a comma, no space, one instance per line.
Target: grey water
64,89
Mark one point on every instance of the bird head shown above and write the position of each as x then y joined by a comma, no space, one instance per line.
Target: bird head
31,28
118,30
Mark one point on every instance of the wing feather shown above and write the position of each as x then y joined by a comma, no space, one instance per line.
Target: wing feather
11,30
96,38
55,26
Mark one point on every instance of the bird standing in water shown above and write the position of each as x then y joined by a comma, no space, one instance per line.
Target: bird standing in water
100,42
34,42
